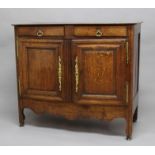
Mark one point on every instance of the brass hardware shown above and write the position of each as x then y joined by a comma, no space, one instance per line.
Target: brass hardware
127,52
59,72
127,92
40,33
98,33
76,75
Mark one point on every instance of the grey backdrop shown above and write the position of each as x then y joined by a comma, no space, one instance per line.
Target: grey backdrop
46,130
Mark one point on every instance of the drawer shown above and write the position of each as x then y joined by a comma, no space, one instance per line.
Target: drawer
100,31
40,31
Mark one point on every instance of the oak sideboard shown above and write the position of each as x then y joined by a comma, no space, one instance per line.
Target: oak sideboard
79,70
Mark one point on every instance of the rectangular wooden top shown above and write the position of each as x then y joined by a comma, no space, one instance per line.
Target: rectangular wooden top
42,24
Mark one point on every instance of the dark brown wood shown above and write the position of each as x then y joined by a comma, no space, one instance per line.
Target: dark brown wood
38,65
46,31
79,70
106,30
101,64
74,111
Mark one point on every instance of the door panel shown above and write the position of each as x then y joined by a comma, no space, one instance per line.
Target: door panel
96,70
99,71
40,77
41,69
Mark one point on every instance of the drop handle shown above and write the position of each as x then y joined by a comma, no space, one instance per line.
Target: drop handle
99,33
40,33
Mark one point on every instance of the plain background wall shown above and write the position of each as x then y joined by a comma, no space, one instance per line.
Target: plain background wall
41,134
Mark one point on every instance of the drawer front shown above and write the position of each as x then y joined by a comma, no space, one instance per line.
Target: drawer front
100,31
40,31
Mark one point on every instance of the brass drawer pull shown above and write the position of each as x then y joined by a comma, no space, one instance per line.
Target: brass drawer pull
40,33
59,72
99,33
76,74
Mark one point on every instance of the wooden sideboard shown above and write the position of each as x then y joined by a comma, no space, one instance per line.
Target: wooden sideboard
79,70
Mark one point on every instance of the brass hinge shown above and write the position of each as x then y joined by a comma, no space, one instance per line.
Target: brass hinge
127,92
127,52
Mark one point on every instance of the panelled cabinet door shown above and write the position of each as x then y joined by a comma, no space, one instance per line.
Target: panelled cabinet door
99,71
41,69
